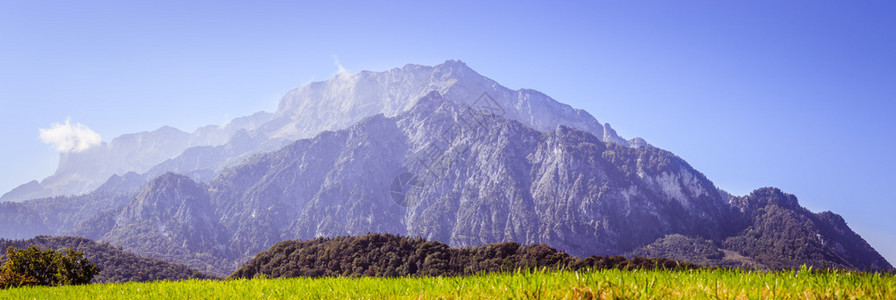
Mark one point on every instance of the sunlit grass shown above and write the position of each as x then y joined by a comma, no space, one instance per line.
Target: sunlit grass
602,284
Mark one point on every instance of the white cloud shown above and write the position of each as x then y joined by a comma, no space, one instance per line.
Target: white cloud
70,138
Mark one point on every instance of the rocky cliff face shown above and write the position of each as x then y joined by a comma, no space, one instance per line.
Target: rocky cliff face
477,185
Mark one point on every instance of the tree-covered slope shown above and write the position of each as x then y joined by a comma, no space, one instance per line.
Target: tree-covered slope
385,255
780,233
116,265
770,230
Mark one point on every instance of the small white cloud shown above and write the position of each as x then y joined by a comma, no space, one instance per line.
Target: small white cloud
70,138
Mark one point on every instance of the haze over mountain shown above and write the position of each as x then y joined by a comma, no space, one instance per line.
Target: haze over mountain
84,171
436,152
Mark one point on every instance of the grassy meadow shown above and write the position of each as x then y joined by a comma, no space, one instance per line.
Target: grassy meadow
601,284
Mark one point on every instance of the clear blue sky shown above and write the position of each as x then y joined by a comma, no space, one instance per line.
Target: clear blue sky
797,95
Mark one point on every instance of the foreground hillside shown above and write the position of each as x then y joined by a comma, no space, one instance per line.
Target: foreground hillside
602,284
116,265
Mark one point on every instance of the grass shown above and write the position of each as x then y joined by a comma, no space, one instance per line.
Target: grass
602,284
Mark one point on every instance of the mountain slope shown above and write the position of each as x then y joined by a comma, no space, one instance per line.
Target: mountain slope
772,231
171,218
778,233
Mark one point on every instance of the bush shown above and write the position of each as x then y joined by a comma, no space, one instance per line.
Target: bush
34,266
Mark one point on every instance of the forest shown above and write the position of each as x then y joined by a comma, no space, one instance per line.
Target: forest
386,255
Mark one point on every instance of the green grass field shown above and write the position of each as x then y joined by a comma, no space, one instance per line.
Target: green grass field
604,284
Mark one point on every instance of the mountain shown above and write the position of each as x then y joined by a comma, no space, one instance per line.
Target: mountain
303,113
475,178
116,265
448,155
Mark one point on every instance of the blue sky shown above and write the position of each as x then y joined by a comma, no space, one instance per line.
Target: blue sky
797,95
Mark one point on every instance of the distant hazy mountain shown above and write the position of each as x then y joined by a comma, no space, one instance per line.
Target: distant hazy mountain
82,172
464,161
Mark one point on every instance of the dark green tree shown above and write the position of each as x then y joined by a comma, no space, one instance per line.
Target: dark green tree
35,266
